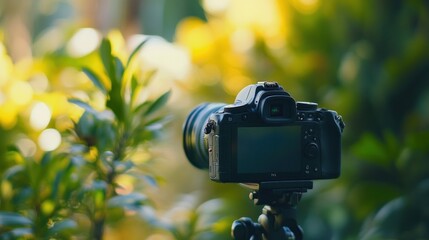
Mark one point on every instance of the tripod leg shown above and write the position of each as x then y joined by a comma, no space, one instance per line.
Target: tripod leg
244,229
273,227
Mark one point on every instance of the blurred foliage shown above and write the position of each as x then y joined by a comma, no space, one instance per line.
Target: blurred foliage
85,177
83,121
368,61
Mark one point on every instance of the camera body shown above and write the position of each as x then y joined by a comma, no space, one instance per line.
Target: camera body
267,136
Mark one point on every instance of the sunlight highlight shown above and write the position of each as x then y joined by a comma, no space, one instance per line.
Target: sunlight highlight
197,37
215,6
83,42
306,6
263,17
171,61
39,83
21,92
49,139
8,115
40,116
26,146
242,40
125,184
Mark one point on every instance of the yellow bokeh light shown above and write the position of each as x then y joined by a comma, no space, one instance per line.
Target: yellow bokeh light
26,146
40,116
49,139
56,102
306,6
242,40
6,66
83,42
8,115
264,17
234,83
170,60
215,6
118,43
197,37
125,184
20,92
6,189
47,207
39,83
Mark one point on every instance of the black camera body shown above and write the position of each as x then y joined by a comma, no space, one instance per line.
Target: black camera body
264,136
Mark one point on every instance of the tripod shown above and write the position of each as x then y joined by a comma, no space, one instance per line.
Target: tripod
278,218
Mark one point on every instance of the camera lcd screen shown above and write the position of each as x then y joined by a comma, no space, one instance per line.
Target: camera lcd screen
268,149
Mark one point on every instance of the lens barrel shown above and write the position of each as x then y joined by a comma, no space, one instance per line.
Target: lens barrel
193,134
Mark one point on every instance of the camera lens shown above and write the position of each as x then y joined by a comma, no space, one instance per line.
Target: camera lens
193,134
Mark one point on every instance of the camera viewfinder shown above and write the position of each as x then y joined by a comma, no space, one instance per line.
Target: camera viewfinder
276,110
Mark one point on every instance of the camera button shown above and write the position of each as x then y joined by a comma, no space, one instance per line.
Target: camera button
311,150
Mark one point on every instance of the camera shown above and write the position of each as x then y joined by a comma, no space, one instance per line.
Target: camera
265,136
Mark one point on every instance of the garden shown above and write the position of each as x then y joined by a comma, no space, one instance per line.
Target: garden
94,95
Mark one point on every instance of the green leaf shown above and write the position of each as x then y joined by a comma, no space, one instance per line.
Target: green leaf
95,79
14,172
107,59
121,167
158,103
119,70
158,122
151,180
115,103
371,149
10,219
98,185
114,69
46,158
136,50
105,134
132,201
142,107
83,105
56,184
65,227
21,233
134,87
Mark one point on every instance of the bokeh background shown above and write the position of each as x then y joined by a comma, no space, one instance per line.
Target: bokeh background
368,60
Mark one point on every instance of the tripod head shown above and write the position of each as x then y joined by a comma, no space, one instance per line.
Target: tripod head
278,218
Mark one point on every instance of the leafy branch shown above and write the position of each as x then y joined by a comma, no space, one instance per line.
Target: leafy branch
112,138
40,198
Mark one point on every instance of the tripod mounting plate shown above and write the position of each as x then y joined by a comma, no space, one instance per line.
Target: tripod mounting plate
280,192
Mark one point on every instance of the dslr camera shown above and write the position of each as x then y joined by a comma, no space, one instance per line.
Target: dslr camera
265,136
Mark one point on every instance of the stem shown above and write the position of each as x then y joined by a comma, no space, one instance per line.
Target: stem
99,228
99,220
